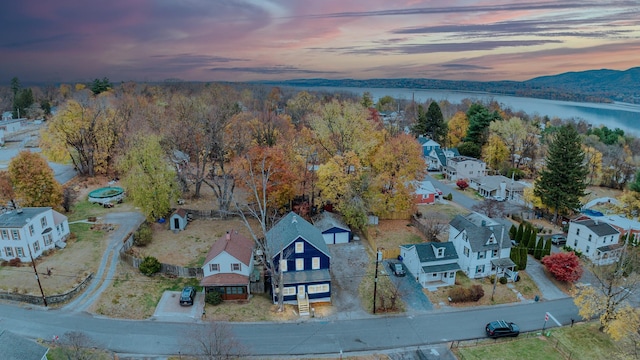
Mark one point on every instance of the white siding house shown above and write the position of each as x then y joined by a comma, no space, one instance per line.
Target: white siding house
483,246
433,264
464,167
597,240
31,230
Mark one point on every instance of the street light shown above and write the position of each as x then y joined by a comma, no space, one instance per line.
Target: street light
375,282
33,263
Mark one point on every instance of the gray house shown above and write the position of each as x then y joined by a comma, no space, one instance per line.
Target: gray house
15,347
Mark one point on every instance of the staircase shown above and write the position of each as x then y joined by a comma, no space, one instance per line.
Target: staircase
303,304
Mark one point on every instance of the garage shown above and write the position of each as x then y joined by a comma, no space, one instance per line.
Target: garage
333,229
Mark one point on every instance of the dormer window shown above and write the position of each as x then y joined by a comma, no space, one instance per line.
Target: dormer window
440,252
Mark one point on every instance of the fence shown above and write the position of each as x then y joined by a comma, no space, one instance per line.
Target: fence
557,344
167,269
390,253
52,299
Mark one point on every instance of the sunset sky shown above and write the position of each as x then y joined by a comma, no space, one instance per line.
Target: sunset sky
233,40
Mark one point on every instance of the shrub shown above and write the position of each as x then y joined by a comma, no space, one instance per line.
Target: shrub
516,217
449,196
213,298
492,278
476,292
458,294
143,236
16,262
149,266
503,280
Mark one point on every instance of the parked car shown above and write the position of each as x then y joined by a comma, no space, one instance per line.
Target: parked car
558,239
501,328
397,269
187,296
499,198
439,191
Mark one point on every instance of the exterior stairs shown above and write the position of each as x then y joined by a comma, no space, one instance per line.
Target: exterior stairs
303,305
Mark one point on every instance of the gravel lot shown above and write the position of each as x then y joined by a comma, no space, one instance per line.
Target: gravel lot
348,267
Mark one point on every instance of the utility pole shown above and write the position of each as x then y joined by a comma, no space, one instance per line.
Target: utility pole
44,299
375,281
495,280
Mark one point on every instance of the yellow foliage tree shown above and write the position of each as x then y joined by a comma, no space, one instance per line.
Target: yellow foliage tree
530,198
495,152
629,203
457,126
33,181
593,158
336,176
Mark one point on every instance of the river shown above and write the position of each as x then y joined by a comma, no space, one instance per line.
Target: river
612,115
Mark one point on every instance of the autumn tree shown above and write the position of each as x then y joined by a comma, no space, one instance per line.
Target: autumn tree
457,126
561,184
301,106
33,181
624,329
149,178
83,132
490,207
564,266
7,195
495,152
512,132
593,159
462,184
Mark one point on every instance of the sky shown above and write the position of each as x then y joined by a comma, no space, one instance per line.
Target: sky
243,40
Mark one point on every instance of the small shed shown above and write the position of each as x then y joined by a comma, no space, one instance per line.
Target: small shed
333,229
178,220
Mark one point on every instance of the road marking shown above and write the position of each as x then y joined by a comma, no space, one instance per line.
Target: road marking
554,319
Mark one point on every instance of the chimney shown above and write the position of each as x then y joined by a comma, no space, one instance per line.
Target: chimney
228,236
294,220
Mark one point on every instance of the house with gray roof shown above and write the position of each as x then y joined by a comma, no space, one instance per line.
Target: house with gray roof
483,246
497,186
16,347
436,159
432,264
464,167
300,252
28,232
333,229
596,239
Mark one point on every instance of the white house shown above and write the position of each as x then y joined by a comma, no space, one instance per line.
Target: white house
597,240
497,185
433,264
483,246
27,232
228,266
464,167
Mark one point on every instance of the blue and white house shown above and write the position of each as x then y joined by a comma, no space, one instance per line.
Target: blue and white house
433,264
300,252
427,145
333,229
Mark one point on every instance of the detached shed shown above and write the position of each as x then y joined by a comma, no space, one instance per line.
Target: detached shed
333,229
178,220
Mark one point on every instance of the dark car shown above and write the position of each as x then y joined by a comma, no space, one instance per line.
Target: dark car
187,296
397,269
501,328
558,239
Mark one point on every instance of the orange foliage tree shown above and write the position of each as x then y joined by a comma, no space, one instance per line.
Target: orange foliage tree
33,181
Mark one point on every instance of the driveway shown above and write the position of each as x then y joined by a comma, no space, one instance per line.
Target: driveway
409,289
169,308
348,268
548,290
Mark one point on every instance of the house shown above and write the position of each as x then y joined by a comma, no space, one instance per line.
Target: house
27,232
427,145
626,227
16,347
298,250
425,193
436,160
597,240
333,229
7,115
483,246
433,264
497,186
228,266
464,167
178,220
11,125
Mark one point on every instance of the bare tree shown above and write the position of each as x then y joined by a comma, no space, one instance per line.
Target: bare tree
213,341
492,208
78,346
432,227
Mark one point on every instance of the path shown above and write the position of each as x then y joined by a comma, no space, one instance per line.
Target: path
549,291
127,223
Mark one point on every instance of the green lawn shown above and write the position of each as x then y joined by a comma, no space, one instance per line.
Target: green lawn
583,341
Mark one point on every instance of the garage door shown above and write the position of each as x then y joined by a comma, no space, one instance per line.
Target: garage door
341,238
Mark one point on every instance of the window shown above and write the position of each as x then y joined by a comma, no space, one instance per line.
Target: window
289,291
481,255
214,267
36,246
315,289
283,265
299,247
435,274
5,234
479,269
19,252
589,237
43,222
452,274
440,252
47,239
8,251
315,263
466,252
578,231
445,274
495,253
575,243
15,234
299,264
31,229
235,267
587,251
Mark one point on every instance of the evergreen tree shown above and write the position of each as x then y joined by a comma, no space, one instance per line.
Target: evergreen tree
547,247
479,119
512,232
22,101
519,234
635,185
537,253
561,183
523,258
420,128
436,127
531,240
514,255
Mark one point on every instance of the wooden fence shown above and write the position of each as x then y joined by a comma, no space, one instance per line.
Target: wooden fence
167,269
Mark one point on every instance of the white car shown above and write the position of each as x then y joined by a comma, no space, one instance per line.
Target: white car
499,198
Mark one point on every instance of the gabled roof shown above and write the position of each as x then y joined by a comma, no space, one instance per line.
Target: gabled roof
327,220
58,218
479,230
224,279
610,247
460,158
233,244
426,251
492,182
425,187
600,228
427,142
15,347
442,158
180,212
290,228
18,218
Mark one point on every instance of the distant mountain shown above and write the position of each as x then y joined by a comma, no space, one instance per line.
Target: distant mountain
584,86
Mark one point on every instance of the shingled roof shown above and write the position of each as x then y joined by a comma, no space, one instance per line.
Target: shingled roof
599,228
292,227
479,230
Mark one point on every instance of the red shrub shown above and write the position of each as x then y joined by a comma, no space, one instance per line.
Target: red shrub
564,266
